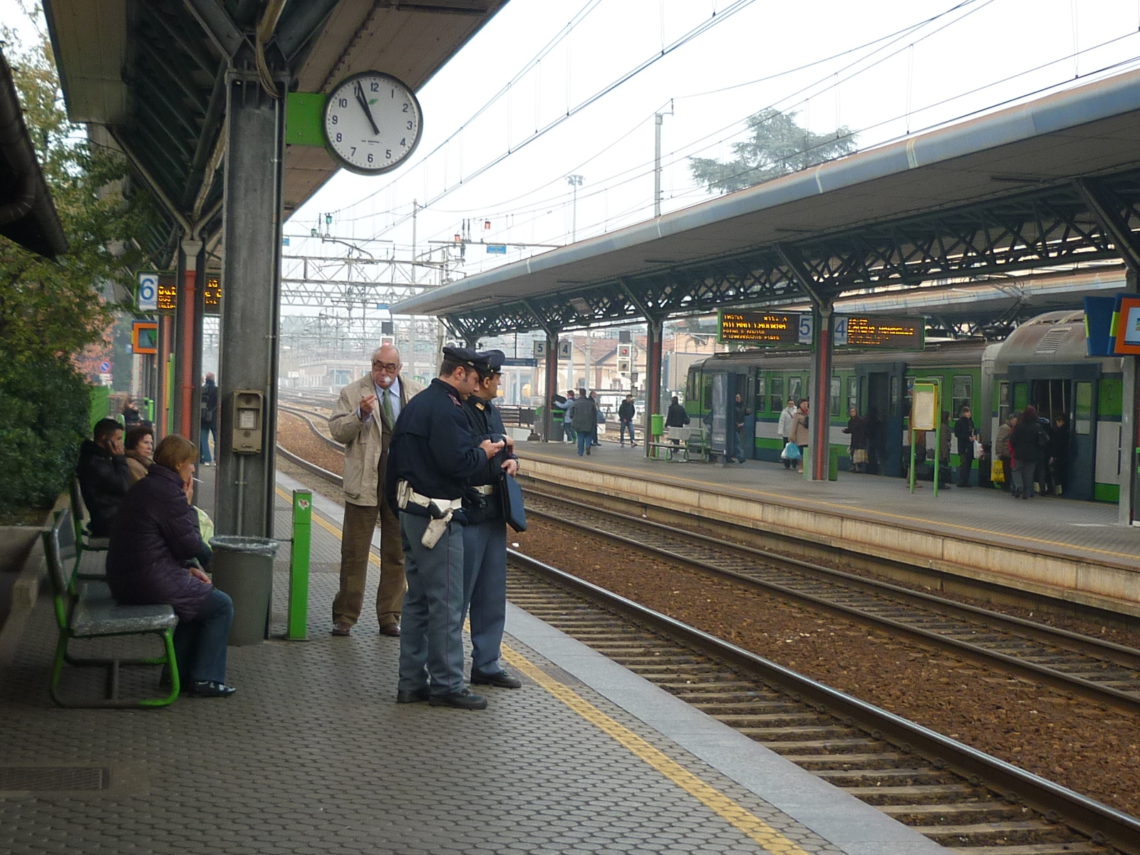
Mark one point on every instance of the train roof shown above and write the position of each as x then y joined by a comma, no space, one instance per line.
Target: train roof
967,351
1054,337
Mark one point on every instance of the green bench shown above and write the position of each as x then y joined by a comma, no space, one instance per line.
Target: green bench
85,610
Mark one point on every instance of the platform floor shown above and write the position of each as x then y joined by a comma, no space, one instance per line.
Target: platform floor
312,755
1080,530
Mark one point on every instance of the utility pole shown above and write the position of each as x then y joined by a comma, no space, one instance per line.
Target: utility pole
575,181
658,118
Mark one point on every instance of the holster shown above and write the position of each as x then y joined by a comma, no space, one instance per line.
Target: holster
435,530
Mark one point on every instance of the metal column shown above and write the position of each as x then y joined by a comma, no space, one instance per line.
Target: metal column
188,335
820,403
1129,419
653,335
551,381
250,309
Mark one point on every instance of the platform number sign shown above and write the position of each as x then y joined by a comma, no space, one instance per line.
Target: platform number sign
806,329
147,295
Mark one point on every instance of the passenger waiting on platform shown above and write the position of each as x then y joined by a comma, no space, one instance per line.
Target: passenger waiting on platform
944,453
131,416
739,414
800,433
208,418
857,428
1029,444
584,418
874,440
363,419
140,451
676,417
599,419
567,415
1001,450
784,428
966,433
1059,452
626,413
103,475
1044,474
154,541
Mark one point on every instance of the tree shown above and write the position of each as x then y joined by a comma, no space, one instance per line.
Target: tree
51,310
778,146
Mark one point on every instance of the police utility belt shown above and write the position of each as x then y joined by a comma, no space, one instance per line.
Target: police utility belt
439,510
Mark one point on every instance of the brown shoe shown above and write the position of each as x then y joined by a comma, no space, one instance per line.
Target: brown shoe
340,628
392,629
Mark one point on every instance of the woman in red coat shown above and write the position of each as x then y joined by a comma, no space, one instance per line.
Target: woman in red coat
153,541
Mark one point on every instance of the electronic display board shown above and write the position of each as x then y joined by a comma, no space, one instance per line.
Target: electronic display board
764,328
212,295
167,293
879,331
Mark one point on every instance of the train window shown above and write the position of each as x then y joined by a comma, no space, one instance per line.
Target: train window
836,396
852,393
796,388
1003,401
1082,421
776,394
761,394
963,385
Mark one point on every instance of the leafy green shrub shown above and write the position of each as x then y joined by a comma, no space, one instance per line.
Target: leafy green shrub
45,405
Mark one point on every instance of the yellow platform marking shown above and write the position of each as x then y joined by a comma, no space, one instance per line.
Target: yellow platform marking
716,801
806,503
725,807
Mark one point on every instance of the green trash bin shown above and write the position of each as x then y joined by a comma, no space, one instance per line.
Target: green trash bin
656,424
833,462
243,568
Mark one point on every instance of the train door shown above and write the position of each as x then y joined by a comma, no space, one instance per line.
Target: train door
742,441
1080,477
881,387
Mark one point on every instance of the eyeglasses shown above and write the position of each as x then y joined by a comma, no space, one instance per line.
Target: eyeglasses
388,367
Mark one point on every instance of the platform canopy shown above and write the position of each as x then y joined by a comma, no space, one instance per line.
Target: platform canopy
153,74
27,215
1052,182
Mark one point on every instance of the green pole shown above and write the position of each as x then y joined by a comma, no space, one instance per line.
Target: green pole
298,624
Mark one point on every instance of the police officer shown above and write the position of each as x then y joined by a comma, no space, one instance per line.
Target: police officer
484,534
433,454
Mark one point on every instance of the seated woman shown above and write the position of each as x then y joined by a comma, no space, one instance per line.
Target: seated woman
154,538
140,448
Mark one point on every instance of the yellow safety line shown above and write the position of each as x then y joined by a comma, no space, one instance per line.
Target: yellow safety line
736,815
836,506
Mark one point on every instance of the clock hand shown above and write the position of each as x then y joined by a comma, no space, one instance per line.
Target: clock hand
363,101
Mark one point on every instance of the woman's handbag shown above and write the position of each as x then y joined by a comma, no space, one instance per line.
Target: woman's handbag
513,510
859,456
791,452
997,473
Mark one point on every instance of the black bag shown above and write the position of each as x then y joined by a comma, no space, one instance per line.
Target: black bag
513,511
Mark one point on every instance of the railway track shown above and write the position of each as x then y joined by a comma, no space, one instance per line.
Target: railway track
957,796
1085,667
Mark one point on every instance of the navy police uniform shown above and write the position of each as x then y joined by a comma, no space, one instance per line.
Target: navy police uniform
433,454
485,543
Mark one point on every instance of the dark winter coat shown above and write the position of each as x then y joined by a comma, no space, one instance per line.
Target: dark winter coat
104,480
857,427
676,417
584,416
209,412
1029,442
154,536
626,411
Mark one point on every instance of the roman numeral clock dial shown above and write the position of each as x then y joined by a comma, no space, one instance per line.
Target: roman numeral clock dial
372,122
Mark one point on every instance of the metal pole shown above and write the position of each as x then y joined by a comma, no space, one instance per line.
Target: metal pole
658,118
575,181
298,622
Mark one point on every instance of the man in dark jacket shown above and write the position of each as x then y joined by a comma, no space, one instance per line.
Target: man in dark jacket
208,417
626,413
966,433
103,475
584,418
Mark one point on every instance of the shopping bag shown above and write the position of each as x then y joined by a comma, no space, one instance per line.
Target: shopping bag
997,473
859,456
791,452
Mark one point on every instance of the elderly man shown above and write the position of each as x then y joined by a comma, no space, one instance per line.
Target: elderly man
434,454
363,421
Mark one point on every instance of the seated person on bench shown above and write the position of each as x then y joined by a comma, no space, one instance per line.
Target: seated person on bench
103,475
154,538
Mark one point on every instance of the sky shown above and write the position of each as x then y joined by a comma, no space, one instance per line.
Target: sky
538,96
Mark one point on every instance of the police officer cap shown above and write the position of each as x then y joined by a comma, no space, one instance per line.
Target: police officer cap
466,357
494,361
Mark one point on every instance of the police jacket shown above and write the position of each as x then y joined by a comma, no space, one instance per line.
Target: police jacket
487,423
433,447
103,479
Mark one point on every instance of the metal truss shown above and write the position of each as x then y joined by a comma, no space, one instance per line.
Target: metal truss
1067,224
323,281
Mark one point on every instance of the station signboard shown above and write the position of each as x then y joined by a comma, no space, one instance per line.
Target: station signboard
764,329
144,337
1126,326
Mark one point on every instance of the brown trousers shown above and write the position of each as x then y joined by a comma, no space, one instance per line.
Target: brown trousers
355,551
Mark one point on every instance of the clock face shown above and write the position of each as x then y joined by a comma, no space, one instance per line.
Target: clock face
372,122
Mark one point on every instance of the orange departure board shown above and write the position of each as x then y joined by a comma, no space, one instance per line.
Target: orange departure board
762,328
167,293
880,332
